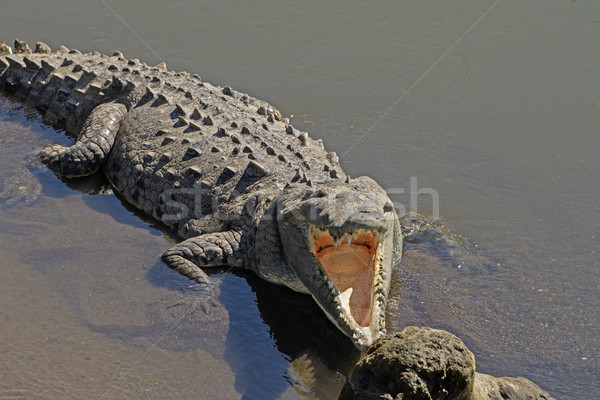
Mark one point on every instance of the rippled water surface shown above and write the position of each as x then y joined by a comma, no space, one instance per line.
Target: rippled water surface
488,110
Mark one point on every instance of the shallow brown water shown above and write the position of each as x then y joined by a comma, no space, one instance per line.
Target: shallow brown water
503,128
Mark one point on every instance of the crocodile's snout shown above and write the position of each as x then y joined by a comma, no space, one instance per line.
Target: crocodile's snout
348,232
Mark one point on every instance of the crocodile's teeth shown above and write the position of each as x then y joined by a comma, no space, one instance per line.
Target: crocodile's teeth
355,235
345,298
380,237
349,239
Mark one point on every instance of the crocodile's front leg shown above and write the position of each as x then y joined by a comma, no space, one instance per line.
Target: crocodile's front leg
91,149
208,250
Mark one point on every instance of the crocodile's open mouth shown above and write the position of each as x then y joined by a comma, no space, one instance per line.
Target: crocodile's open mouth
351,265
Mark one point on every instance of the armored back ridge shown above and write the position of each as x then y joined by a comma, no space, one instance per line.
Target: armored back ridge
224,171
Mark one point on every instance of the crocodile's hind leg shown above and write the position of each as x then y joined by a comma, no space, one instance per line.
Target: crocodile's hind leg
92,147
208,250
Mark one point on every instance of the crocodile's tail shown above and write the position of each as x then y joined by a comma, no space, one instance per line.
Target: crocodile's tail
65,84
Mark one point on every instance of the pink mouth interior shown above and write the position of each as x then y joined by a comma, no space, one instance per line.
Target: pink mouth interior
350,266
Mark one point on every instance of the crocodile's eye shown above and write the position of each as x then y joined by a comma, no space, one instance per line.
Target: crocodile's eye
388,207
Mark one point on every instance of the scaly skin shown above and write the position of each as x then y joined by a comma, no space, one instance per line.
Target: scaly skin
225,172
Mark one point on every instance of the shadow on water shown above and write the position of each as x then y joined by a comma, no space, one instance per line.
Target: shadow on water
95,184
317,355
175,322
271,337
98,185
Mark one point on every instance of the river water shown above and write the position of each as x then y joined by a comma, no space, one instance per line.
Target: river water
485,114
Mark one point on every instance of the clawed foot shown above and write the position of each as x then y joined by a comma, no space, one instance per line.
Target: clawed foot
50,155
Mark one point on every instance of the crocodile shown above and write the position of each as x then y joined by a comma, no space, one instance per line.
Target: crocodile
234,180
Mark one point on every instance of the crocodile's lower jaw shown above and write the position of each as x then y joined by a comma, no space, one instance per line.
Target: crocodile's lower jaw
351,266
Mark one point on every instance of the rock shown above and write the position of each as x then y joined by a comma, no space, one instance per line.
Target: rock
429,364
416,363
488,387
